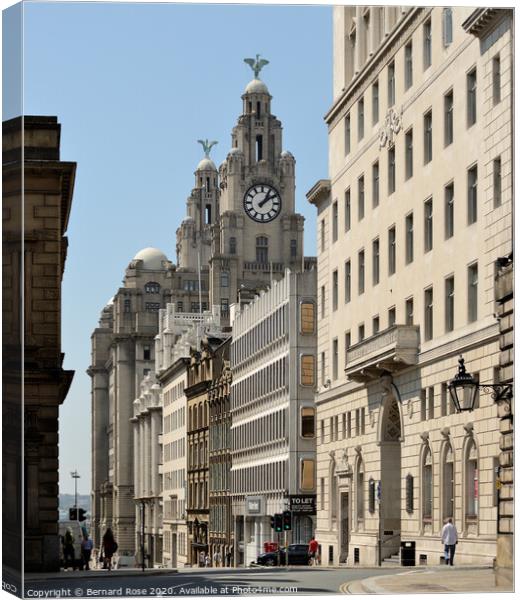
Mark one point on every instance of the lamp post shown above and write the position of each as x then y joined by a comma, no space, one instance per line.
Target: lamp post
464,387
75,475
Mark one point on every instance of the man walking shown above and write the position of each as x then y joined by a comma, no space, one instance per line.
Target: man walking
313,551
449,538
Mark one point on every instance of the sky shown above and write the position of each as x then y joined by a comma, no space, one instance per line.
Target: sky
134,87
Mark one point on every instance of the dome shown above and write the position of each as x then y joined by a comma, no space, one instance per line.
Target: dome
286,154
256,87
206,164
152,258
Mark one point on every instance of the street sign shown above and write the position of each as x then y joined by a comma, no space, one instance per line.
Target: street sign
303,504
378,491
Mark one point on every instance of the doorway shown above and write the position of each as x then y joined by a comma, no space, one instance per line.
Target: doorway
344,530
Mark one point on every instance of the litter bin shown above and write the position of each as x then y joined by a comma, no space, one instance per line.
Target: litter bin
408,554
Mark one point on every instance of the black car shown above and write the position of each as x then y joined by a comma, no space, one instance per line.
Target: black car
298,555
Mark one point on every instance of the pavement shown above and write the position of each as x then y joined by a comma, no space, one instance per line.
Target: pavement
430,580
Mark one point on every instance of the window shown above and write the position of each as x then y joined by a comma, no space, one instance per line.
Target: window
224,307
375,103
146,353
307,369
361,119
308,418
448,118
472,195
347,134
152,287
409,493
448,484
408,66
180,306
449,212
472,292
408,141
431,402
391,84
361,272
497,182
224,279
335,359
391,316
423,405
361,332
428,137
391,250
427,44
375,261
152,306
444,399
371,495
409,238
471,96
322,301
496,79
428,314
408,307
449,303
232,245
391,170
375,325
322,234
347,210
361,198
348,282
348,340
294,248
323,368
307,475
471,469
335,221
447,27
427,486
262,254
127,305
428,225
307,321
375,184
335,290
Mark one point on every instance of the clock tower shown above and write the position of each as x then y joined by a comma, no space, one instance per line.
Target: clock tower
258,234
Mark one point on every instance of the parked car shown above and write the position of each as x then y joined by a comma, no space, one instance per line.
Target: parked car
298,555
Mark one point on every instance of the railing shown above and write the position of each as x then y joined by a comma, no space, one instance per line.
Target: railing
266,267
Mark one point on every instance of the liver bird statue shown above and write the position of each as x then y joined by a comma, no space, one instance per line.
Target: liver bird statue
257,65
207,146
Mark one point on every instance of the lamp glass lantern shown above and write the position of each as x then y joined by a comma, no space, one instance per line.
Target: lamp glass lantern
463,389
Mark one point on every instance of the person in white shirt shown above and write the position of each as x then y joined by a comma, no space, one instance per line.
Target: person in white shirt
449,538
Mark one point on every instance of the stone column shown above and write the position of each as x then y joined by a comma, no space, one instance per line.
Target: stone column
359,39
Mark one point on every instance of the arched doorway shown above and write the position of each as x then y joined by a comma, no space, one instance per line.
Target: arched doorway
390,439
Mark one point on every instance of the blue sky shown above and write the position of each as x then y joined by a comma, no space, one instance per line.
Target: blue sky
134,86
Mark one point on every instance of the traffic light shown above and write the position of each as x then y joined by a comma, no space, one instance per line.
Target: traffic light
278,522
73,514
82,514
286,518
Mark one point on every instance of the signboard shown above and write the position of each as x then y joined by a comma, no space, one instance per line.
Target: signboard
378,493
254,505
303,505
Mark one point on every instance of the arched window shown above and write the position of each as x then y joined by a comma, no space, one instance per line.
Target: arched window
471,477
262,250
448,483
360,493
427,486
152,287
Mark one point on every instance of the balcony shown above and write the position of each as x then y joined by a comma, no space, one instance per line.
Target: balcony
390,351
264,267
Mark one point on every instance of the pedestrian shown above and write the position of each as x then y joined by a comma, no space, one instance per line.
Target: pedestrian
109,549
228,558
207,561
216,558
449,538
69,555
202,557
313,551
86,550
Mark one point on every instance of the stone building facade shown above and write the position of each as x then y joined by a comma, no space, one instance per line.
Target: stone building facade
37,191
220,519
273,436
417,210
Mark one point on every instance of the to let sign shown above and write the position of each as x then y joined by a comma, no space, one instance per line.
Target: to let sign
303,504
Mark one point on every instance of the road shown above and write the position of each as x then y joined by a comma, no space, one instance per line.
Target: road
200,582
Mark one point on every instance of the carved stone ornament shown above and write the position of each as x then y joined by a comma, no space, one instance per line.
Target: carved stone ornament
344,468
410,409
372,418
391,127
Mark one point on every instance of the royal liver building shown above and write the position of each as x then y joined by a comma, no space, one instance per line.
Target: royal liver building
240,235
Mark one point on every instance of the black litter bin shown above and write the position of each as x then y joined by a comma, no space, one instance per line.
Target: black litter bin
408,554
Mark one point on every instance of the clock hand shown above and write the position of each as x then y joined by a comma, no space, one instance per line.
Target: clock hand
267,197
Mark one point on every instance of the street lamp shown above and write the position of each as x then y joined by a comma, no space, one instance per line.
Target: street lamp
75,475
464,389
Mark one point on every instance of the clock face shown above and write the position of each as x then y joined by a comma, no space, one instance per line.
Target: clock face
262,203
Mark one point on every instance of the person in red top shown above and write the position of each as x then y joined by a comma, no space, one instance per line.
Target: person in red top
313,551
